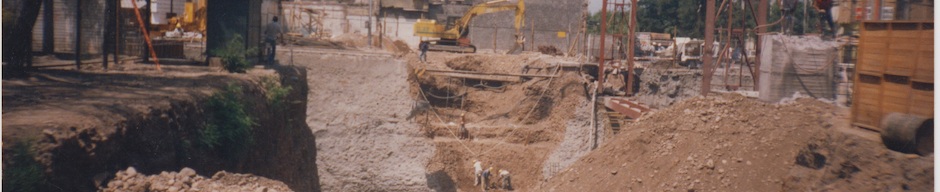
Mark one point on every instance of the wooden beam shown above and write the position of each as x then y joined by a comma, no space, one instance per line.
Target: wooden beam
485,73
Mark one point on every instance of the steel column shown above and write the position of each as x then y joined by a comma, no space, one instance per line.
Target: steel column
78,35
707,52
600,61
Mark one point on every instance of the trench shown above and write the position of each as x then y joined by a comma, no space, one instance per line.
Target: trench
283,147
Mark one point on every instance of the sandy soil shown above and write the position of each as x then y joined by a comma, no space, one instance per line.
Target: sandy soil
734,143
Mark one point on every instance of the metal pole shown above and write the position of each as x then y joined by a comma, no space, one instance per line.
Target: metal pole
78,35
369,24
117,29
146,24
104,35
600,61
707,52
632,41
761,21
48,27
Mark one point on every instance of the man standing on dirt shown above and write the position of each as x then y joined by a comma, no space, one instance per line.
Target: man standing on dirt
486,178
271,34
504,176
826,7
788,7
423,46
477,172
464,133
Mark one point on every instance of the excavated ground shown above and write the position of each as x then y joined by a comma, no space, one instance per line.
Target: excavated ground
735,143
516,126
85,126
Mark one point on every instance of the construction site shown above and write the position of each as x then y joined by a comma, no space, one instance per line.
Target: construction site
468,95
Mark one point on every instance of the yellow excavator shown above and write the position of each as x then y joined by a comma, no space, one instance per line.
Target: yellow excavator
455,39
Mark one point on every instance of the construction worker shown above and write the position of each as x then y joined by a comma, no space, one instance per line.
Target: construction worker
486,178
477,172
271,34
505,181
464,133
826,7
788,7
423,46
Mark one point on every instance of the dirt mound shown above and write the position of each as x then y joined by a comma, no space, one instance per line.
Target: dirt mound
739,144
187,180
466,63
549,50
351,40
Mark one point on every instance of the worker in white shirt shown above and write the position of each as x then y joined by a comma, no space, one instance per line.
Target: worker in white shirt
477,172
504,176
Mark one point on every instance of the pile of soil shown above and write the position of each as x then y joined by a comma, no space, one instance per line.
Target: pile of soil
735,143
550,50
187,180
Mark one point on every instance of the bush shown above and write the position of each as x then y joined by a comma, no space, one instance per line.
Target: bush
228,128
274,91
22,173
234,55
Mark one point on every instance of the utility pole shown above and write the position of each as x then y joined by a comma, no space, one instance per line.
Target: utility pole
600,60
78,35
369,23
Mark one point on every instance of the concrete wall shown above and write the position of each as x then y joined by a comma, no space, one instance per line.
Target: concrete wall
547,17
338,19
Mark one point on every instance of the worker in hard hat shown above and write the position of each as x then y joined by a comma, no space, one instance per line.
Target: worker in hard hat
463,132
477,172
486,178
505,181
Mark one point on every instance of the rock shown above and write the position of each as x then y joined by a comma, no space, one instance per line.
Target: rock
710,164
188,172
173,189
613,172
131,172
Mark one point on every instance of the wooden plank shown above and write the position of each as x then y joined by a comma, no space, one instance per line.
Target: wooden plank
489,73
476,76
922,102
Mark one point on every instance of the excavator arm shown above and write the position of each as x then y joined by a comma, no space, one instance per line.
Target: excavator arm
463,24
456,36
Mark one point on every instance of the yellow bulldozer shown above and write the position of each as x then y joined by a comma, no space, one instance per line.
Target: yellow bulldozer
455,39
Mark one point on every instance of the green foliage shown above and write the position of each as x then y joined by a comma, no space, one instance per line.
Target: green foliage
686,18
22,173
275,93
812,18
234,55
228,128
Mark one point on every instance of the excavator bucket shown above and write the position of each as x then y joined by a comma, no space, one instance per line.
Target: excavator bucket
517,48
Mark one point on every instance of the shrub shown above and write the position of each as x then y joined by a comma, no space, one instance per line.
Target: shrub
274,91
234,55
23,172
228,127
